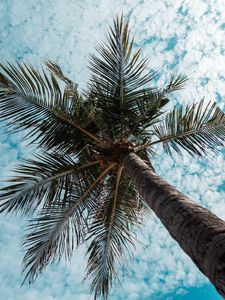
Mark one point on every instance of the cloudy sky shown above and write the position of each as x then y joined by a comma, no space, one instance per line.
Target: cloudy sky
183,36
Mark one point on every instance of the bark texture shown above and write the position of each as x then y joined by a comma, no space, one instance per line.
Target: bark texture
200,233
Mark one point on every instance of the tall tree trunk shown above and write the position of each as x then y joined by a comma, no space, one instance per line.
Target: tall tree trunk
200,233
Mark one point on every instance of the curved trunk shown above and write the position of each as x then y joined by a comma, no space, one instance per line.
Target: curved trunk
200,233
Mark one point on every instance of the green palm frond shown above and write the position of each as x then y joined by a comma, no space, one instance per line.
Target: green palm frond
52,237
118,77
43,181
196,129
150,109
33,100
117,72
175,84
60,228
56,70
111,232
121,89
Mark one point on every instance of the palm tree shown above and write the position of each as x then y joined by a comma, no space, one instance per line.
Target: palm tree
92,179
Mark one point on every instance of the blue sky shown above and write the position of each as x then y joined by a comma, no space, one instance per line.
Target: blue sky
183,36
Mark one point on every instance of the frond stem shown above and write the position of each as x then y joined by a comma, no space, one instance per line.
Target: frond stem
91,135
118,177
94,184
68,172
92,163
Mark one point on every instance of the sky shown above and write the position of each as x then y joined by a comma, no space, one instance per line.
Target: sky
183,36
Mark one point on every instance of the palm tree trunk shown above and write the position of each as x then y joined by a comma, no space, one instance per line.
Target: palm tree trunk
200,233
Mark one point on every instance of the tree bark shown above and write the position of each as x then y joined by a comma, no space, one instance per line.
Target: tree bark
200,233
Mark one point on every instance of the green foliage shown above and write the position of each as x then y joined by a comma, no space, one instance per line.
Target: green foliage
59,227
118,85
34,101
49,179
118,212
196,129
75,188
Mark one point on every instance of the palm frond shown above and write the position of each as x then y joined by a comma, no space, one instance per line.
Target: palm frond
43,181
176,83
149,111
118,76
52,237
60,228
119,86
196,129
56,70
34,101
150,107
118,210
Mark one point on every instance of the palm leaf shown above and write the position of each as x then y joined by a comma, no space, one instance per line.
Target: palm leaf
44,181
196,129
150,108
51,238
59,228
118,86
56,70
111,232
118,79
32,100
175,84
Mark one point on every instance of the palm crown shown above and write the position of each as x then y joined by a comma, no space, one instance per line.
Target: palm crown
76,188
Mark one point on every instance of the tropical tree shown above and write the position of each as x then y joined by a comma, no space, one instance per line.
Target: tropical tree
92,178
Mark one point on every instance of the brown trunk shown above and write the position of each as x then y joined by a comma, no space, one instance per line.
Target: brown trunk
200,233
